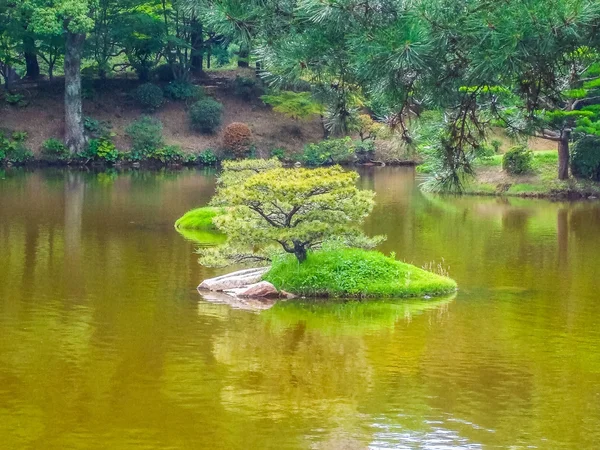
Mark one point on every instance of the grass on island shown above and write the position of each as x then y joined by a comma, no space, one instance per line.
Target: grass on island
541,181
355,273
197,226
198,219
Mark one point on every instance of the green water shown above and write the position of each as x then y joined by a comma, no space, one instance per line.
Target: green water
105,344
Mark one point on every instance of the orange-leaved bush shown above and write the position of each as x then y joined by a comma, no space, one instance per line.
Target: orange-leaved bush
237,138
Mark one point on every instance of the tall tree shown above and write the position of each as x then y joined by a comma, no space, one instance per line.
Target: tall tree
71,18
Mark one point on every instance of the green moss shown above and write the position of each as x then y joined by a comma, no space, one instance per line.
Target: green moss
355,273
198,219
202,237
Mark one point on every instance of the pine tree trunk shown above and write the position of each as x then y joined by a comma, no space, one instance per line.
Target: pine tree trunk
74,137
31,61
197,42
244,56
563,155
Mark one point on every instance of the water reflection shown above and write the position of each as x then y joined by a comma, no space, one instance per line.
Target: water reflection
106,344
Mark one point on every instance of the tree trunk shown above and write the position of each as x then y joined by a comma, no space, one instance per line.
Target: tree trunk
563,155
197,42
244,56
300,252
31,60
74,137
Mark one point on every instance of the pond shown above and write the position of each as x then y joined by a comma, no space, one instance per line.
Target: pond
105,342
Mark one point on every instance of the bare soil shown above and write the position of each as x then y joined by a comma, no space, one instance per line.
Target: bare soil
112,103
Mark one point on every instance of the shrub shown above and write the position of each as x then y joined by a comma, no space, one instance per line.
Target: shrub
167,154
297,105
485,151
182,90
55,150
517,160
207,157
247,88
364,150
146,136
328,152
102,150
205,115
149,96
496,144
163,73
237,138
278,153
13,149
585,158
96,128
15,99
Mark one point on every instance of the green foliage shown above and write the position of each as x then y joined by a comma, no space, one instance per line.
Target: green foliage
169,154
96,128
149,96
102,149
278,153
199,218
355,273
182,90
55,150
15,99
146,136
291,209
297,105
328,152
585,158
163,73
247,88
517,160
13,150
364,150
207,157
206,115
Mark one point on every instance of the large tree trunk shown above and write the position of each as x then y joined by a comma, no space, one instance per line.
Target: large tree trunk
31,60
197,41
74,137
563,155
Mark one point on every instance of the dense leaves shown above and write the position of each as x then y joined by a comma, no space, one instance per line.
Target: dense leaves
291,209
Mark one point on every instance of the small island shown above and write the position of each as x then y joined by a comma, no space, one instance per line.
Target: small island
305,225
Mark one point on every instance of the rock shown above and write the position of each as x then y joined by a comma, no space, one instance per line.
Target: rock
287,295
263,289
234,280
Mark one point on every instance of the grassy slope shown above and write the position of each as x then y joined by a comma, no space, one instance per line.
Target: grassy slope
355,273
196,225
198,219
541,182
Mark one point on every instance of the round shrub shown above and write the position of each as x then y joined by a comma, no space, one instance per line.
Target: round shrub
585,158
183,90
237,138
149,96
146,136
205,115
517,160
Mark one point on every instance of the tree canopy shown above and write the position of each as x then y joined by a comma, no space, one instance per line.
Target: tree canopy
294,210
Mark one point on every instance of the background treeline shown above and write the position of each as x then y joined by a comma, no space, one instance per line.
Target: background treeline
529,66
